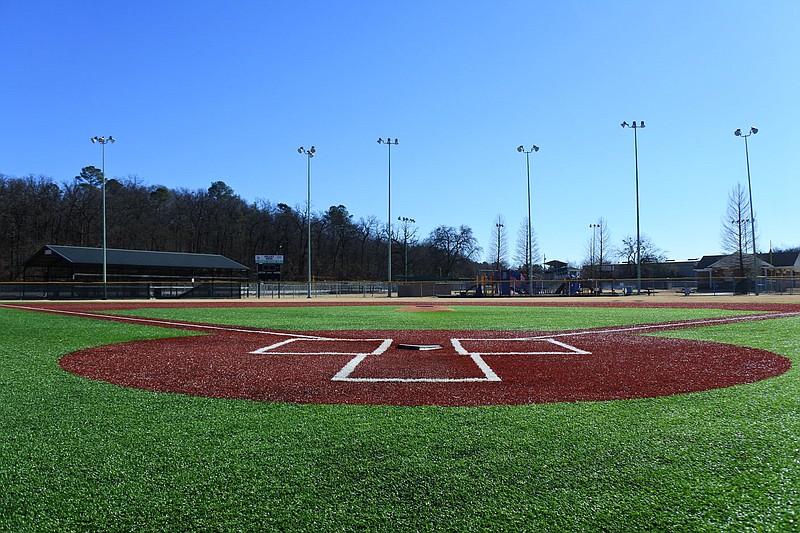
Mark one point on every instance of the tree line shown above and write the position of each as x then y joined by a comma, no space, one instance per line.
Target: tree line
35,211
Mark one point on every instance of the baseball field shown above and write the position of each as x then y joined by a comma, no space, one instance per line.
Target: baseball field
620,414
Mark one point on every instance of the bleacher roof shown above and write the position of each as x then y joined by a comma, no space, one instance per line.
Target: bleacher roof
52,255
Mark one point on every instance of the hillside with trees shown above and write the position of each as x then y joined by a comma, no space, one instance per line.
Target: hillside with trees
35,211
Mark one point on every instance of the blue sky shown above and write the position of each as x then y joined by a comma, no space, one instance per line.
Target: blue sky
202,91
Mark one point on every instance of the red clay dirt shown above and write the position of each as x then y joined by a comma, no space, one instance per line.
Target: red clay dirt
367,367
423,308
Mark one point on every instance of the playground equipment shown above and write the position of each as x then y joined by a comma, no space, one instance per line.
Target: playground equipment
509,282
500,283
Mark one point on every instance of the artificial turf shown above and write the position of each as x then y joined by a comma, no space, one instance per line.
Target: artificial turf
80,455
466,317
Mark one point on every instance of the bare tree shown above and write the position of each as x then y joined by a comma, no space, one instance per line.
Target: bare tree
786,248
368,231
29,216
735,236
650,253
599,247
408,231
498,247
449,248
524,247
605,247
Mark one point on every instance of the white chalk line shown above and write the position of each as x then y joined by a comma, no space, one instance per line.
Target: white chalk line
358,357
490,375
269,350
349,368
549,336
672,325
156,322
571,350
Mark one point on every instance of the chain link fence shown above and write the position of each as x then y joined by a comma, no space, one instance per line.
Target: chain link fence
371,289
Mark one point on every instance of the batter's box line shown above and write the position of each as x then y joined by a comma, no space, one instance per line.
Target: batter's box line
349,368
570,350
346,371
382,347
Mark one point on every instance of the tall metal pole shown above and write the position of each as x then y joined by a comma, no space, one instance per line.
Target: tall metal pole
105,226
528,251
389,142
406,221
103,141
389,229
752,218
591,248
738,133
310,153
499,227
308,218
638,234
529,245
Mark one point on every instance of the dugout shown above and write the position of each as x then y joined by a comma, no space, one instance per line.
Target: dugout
75,272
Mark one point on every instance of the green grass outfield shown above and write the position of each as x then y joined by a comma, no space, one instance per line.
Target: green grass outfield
465,317
79,455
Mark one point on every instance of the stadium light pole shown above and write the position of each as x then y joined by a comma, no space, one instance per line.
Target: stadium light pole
635,127
499,227
738,133
389,142
310,153
528,247
103,141
591,248
406,221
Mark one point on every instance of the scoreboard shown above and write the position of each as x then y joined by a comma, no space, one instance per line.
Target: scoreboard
269,267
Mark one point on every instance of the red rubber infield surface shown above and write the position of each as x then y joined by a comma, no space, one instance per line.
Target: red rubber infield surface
461,368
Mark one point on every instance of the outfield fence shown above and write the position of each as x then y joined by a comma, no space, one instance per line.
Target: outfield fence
373,289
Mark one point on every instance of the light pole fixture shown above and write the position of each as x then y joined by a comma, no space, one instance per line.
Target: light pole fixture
635,127
103,141
738,133
389,142
406,221
529,245
310,153
591,248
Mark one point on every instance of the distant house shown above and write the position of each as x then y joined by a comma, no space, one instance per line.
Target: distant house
728,272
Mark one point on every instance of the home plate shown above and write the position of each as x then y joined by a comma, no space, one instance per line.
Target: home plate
419,346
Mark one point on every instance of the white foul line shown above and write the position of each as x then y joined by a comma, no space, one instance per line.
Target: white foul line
349,368
153,321
669,325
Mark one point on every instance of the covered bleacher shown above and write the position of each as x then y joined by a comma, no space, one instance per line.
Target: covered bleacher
66,272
